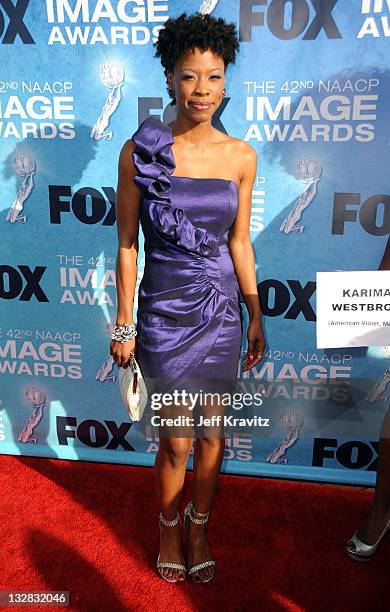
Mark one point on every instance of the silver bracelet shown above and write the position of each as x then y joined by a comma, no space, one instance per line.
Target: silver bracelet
124,333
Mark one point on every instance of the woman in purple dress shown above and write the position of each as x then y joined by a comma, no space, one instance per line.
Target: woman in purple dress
189,185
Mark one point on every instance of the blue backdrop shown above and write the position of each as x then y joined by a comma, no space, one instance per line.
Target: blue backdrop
309,92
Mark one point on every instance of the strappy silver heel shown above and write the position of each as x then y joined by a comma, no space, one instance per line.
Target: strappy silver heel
360,551
188,515
178,566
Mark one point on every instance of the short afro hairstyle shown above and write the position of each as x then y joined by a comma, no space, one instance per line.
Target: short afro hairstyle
201,31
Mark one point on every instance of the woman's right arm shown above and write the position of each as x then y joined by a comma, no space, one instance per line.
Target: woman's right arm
127,204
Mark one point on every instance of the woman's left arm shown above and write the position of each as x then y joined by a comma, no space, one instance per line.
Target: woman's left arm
241,251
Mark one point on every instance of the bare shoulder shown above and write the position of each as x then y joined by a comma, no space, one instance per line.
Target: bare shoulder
246,150
128,147
245,156
126,163
239,147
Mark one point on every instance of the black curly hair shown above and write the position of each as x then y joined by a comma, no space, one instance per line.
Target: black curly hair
201,31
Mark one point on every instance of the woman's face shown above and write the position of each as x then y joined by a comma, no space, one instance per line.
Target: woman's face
198,81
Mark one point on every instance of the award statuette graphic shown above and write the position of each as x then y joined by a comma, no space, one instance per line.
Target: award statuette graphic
207,6
105,373
112,75
379,388
309,172
292,421
37,399
24,165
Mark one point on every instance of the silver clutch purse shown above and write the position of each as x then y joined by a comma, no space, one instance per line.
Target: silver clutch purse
133,389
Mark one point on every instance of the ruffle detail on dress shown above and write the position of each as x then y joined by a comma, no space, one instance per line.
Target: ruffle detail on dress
153,157
171,222
154,163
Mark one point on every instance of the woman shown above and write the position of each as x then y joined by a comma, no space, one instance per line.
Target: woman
365,541
189,185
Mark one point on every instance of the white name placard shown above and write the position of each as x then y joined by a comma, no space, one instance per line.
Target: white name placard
353,309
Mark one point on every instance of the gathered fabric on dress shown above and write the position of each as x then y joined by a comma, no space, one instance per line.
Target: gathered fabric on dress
189,318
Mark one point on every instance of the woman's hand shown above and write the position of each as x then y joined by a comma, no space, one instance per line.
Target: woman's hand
121,351
256,344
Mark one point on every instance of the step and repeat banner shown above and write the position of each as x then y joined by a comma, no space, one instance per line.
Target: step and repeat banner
309,92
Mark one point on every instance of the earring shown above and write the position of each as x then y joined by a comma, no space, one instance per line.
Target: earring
171,94
224,92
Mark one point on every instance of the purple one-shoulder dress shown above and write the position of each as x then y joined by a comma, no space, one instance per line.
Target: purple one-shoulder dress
189,319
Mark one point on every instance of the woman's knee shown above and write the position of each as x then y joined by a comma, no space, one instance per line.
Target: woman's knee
211,442
176,450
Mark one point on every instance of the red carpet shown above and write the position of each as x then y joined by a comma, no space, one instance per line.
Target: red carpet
92,529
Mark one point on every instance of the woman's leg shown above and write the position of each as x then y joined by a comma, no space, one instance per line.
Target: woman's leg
170,469
379,514
208,455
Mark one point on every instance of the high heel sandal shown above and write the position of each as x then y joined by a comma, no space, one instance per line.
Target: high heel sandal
360,551
178,566
188,515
